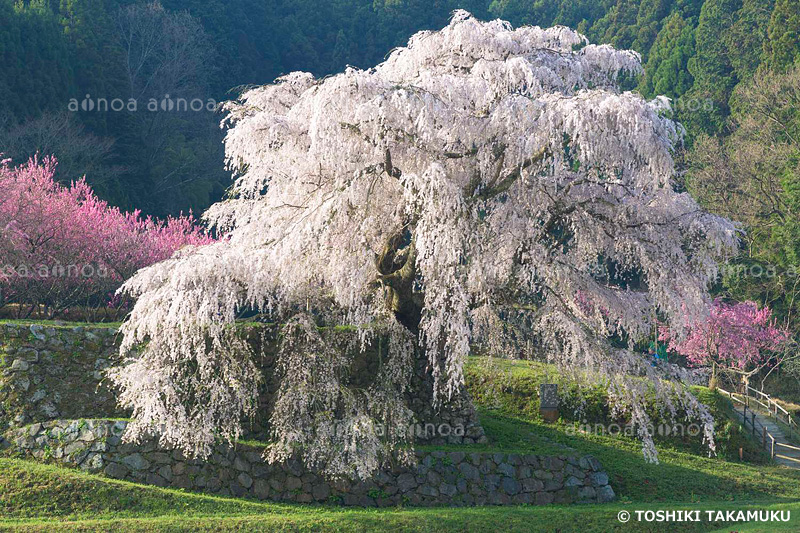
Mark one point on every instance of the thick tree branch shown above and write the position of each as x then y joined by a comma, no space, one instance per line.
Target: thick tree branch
389,168
500,185
397,272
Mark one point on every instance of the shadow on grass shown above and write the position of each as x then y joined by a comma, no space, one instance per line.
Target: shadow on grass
679,476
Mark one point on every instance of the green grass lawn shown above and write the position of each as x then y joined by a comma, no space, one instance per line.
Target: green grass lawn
680,476
36,497
59,323
685,473
507,387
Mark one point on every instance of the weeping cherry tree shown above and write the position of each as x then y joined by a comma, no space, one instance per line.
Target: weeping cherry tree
481,188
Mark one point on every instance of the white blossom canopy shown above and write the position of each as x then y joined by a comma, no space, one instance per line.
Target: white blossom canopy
481,186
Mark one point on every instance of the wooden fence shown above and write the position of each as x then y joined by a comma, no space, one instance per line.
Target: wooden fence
748,414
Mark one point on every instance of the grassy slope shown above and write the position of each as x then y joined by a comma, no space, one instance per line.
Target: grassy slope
511,388
679,477
42,497
59,323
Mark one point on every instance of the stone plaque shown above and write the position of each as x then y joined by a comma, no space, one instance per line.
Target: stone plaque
548,396
548,402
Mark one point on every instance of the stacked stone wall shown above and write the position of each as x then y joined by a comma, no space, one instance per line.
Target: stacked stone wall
50,372
438,478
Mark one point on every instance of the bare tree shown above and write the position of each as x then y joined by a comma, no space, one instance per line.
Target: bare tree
165,53
79,152
167,59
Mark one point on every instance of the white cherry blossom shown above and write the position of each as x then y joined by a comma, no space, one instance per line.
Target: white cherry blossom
483,188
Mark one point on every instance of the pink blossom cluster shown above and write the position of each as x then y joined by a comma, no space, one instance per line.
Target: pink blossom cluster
734,335
62,246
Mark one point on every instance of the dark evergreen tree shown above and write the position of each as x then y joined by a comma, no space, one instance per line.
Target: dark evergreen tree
782,46
666,69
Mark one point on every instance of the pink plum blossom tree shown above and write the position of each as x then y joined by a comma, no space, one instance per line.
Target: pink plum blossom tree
735,337
463,192
62,246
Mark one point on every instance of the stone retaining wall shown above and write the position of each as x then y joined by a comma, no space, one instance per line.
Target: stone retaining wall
51,372
439,478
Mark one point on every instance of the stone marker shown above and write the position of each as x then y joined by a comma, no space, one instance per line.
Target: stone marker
548,401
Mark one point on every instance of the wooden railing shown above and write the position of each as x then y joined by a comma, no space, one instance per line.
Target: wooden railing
767,439
773,409
784,446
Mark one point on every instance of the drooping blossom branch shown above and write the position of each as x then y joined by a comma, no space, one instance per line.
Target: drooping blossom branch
462,192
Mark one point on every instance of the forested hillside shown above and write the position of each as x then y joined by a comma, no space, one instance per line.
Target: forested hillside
695,51
99,83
